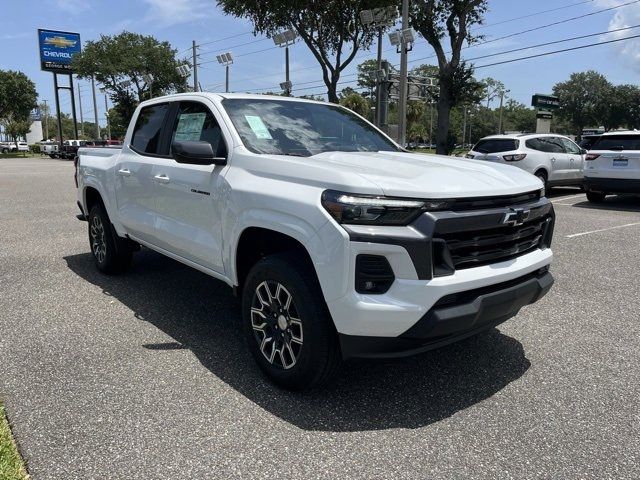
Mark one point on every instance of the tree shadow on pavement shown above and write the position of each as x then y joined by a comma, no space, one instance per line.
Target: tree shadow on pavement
200,314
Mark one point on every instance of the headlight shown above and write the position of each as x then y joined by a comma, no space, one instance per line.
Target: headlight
543,192
370,210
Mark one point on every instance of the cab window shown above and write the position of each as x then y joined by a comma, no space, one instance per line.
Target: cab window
195,122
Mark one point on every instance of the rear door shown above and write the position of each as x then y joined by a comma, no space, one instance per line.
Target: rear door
134,182
189,197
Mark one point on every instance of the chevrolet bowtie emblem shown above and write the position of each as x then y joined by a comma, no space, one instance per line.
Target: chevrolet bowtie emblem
60,42
516,217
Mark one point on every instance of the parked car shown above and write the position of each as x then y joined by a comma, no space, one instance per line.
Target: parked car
49,148
339,243
7,147
613,165
554,159
587,141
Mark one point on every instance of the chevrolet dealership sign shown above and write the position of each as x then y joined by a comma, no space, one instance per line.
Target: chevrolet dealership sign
57,50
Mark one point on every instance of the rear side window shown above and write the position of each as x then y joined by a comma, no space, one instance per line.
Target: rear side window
495,145
146,134
617,142
545,144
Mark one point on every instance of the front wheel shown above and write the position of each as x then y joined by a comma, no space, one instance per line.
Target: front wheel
111,253
286,324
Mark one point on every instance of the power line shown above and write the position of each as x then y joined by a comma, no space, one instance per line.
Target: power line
558,51
552,43
522,32
535,14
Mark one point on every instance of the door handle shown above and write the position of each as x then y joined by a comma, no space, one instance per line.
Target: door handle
124,172
162,178
553,159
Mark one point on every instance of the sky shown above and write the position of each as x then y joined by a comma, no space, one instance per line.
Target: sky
259,64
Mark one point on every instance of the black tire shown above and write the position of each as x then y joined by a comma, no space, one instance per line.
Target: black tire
5,150
111,253
313,355
542,175
596,197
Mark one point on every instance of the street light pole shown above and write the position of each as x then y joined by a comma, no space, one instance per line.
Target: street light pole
501,105
226,88
378,79
81,115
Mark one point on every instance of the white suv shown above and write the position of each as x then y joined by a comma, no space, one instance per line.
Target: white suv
554,159
613,165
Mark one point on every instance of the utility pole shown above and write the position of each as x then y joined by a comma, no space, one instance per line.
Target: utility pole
106,114
431,123
402,104
464,123
46,120
195,66
81,117
501,105
95,107
379,79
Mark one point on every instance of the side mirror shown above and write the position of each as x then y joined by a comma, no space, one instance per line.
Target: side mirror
583,151
196,153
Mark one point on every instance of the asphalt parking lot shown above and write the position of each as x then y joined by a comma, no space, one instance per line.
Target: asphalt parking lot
143,375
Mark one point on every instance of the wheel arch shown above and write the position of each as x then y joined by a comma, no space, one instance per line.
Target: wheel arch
256,242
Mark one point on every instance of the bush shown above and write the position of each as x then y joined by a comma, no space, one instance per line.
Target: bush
35,149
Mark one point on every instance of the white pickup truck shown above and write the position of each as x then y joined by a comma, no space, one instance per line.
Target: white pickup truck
339,243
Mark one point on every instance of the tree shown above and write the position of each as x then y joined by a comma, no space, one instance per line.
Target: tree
435,19
356,102
584,100
518,117
492,89
331,29
121,63
18,97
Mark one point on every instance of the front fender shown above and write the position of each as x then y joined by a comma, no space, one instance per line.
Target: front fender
326,250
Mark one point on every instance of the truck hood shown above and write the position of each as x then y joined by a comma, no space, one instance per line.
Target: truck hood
400,174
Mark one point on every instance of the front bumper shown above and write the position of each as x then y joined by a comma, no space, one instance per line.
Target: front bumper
453,318
612,185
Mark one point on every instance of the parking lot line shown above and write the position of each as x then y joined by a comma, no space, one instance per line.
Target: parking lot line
602,230
566,198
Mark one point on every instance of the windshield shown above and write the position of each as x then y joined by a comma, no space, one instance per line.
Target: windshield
284,127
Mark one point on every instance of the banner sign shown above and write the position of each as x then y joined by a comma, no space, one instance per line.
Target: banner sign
546,102
57,50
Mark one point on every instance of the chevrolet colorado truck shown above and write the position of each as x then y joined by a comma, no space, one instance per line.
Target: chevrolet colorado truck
338,242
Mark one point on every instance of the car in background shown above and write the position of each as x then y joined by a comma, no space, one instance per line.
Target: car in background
7,147
554,159
587,141
613,165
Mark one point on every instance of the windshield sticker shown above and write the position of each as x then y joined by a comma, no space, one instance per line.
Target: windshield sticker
190,126
258,127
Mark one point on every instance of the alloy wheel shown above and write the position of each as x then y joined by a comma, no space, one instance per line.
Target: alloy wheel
276,324
98,240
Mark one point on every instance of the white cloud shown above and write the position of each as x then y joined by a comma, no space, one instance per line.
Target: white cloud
173,12
628,50
72,6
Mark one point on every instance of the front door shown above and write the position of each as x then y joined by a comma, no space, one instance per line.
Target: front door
576,159
188,197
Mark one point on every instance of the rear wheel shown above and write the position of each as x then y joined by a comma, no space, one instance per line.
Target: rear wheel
111,253
596,197
542,175
286,324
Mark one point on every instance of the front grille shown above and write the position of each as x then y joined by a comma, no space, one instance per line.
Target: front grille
475,248
494,202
